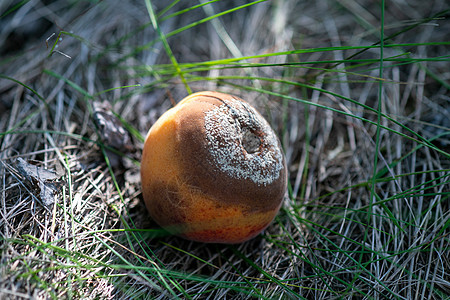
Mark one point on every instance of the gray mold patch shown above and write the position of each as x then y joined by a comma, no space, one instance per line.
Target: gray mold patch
242,144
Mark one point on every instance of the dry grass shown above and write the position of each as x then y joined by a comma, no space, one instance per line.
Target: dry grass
367,213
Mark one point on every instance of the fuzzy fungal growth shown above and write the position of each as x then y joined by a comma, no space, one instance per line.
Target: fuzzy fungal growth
242,143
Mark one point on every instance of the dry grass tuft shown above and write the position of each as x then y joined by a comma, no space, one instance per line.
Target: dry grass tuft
356,223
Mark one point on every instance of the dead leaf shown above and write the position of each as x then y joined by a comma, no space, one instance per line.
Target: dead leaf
44,181
111,129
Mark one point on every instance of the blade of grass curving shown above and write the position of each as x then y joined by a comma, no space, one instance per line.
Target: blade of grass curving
14,8
253,290
180,12
249,285
436,77
12,130
166,44
179,30
390,215
263,272
116,88
166,9
28,88
72,84
60,34
190,254
130,128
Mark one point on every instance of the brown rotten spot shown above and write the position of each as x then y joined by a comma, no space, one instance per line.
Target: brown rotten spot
213,170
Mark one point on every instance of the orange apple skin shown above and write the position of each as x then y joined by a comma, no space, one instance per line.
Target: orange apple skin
185,194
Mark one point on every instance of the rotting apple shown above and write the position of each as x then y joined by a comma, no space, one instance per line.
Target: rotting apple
212,170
